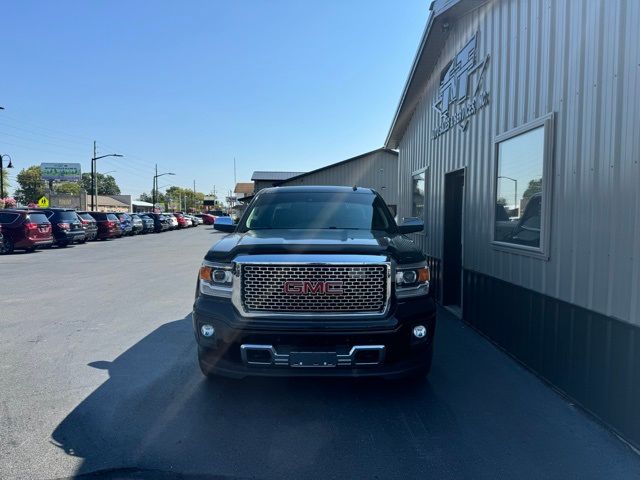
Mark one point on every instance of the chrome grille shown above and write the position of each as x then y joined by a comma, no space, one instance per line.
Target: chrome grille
364,288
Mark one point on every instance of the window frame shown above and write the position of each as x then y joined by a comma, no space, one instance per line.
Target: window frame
425,171
541,252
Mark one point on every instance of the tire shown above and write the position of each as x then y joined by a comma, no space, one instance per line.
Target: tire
63,244
7,246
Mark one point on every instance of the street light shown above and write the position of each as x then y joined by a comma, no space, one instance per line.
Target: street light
94,183
155,184
515,195
10,165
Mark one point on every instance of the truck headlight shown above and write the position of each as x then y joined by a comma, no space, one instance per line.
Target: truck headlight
216,279
412,280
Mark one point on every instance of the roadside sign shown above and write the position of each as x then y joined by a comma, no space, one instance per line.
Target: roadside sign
43,202
64,172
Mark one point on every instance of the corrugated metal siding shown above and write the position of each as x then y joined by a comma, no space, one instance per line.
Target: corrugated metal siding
379,171
581,61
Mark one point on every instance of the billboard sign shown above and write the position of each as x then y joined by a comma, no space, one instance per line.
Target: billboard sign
209,200
64,172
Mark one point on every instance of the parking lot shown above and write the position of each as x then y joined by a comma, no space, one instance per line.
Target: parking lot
98,372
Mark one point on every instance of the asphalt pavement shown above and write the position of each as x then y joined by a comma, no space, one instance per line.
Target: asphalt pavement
98,373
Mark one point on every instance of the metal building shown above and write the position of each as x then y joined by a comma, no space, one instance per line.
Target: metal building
263,179
377,169
518,133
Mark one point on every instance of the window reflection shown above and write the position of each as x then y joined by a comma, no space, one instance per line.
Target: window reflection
417,202
518,210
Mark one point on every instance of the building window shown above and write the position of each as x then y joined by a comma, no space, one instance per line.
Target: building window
522,186
417,192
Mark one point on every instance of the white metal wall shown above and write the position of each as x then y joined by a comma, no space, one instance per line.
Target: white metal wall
378,170
581,60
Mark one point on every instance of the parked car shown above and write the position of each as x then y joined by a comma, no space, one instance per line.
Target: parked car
206,218
182,221
65,225
195,221
90,226
396,339
125,223
147,223
161,222
24,230
172,219
136,223
109,225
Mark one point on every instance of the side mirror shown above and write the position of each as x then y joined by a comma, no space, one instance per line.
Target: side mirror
411,225
224,227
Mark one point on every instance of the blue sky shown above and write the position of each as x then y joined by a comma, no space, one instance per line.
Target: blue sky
279,85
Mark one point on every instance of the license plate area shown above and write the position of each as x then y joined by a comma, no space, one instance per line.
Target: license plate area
313,359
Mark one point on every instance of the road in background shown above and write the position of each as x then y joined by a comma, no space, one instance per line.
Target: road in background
98,371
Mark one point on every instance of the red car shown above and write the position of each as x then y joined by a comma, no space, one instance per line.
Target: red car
207,219
182,222
24,230
108,225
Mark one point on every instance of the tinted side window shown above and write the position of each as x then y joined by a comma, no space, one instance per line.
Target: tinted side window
7,217
112,217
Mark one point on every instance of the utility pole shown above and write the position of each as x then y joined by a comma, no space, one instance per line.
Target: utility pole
153,190
234,172
94,180
155,183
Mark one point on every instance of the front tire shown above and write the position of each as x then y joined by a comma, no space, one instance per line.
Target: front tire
6,247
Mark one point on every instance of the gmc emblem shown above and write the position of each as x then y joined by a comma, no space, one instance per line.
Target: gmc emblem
301,287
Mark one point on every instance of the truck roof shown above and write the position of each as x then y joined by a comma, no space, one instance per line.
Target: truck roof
318,188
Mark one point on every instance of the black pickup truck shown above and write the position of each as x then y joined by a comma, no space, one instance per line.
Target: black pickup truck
315,281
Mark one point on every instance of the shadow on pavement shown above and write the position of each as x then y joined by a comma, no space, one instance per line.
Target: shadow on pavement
156,411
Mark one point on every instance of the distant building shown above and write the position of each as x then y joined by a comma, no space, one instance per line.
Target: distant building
262,179
243,189
377,169
140,206
107,203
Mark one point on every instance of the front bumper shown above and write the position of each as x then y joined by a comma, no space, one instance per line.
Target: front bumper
402,353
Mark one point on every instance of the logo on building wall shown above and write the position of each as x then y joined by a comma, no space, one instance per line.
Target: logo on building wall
461,93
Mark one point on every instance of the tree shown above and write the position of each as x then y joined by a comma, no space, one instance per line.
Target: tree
69,188
32,187
534,187
106,184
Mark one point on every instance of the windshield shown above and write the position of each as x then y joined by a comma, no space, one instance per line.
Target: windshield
318,210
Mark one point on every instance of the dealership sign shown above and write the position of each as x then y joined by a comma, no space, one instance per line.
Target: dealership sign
64,172
461,92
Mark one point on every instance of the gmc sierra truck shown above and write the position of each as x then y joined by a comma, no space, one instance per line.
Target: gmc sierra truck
315,281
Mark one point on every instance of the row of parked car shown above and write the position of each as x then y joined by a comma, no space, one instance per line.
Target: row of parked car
28,229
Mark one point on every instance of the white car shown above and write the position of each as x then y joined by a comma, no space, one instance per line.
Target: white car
195,220
172,218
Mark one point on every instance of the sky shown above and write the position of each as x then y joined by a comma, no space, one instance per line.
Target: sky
279,85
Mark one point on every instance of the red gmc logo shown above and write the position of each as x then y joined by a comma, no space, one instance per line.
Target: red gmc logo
300,287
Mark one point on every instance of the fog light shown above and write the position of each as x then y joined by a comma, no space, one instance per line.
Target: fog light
419,331
208,330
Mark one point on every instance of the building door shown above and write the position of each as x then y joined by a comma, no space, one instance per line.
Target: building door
452,248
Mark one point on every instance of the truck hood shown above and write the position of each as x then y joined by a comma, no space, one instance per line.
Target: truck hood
364,242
